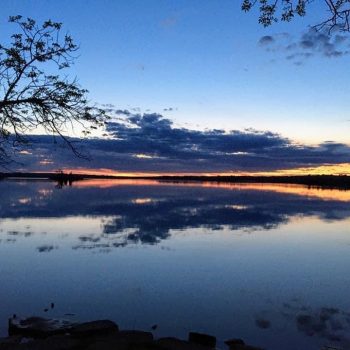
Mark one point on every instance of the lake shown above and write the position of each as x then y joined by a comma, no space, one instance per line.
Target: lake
266,263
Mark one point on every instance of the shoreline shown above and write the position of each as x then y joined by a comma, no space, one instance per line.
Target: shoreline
36,333
341,182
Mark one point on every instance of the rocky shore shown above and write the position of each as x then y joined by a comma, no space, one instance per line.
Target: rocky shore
35,333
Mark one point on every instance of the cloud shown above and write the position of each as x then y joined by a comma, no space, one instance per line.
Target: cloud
123,112
329,46
309,44
46,248
169,109
266,40
325,322
169,22
127,218
151,143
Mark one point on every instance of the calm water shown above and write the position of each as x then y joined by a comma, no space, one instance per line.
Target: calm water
266,263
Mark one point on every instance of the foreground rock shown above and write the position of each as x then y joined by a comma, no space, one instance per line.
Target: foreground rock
123,340
238,344
35,333
177,344
94,328
202,339
38,327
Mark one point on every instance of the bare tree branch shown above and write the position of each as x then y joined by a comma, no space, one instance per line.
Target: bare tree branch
31,98
271,11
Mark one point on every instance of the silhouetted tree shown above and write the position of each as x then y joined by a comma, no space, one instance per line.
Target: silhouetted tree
34,92
337,12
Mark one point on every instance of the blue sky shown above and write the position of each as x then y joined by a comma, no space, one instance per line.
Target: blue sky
202,60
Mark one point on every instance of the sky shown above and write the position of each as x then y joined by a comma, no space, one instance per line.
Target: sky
204,87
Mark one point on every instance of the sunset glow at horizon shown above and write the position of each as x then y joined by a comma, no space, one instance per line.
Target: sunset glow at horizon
338,169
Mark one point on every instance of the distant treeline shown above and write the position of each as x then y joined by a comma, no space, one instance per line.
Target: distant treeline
324,181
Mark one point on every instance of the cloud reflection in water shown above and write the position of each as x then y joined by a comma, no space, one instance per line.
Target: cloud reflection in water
147,212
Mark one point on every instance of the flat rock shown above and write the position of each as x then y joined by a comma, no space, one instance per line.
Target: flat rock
202,339
135,336
234,341
239,344
177,344
15,339
234,344
58,342
244,347
94,328
10,343
123,340
108,344
37,327
11,346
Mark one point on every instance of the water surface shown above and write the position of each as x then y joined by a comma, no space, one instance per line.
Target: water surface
266,263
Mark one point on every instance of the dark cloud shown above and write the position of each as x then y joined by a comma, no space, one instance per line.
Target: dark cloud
152,143
122,112
310,44
324,44
266,40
